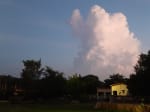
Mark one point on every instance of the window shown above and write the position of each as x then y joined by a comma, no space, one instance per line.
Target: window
123,91
100,94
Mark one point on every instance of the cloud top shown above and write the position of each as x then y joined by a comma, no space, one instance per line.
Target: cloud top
107,44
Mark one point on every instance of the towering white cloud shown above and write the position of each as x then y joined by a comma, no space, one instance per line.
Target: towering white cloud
107,44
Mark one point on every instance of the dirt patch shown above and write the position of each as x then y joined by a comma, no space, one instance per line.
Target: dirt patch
121,106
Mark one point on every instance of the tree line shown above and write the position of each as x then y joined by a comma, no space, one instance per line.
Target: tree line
46,83
38,83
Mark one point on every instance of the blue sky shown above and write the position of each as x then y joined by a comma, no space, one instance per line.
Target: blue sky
34,29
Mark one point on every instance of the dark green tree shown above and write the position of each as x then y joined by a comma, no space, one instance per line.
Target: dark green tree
53,84
139,82
83,88
74,86
32,70
115,78
90,84
30,77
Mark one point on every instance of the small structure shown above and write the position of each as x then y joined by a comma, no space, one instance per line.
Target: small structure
103,94
119,89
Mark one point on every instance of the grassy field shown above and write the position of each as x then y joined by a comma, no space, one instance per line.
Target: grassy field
6,107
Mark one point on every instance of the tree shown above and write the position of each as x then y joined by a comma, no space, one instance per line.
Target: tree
139,82
30,77
83,88
90,84
32,70
115,78
74,86
53,83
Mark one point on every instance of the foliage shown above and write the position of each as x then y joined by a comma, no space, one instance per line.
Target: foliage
115,78
138,83
30,76
52,84
47,83
90,84
82,88
32,70
74,86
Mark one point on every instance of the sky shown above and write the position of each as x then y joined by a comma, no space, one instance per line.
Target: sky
52,30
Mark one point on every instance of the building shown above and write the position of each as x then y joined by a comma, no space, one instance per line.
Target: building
114,92
119,89
9,86
103,94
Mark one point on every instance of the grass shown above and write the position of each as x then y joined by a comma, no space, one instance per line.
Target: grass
6,107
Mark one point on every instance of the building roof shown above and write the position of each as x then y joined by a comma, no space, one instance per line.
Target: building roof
117,84
103,90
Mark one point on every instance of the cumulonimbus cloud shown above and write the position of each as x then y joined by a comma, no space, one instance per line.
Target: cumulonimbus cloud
107,44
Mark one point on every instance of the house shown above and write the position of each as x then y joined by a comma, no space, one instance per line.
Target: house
9,86
103,94
119,89
114,92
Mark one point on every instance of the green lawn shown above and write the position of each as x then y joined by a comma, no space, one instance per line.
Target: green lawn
6,107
